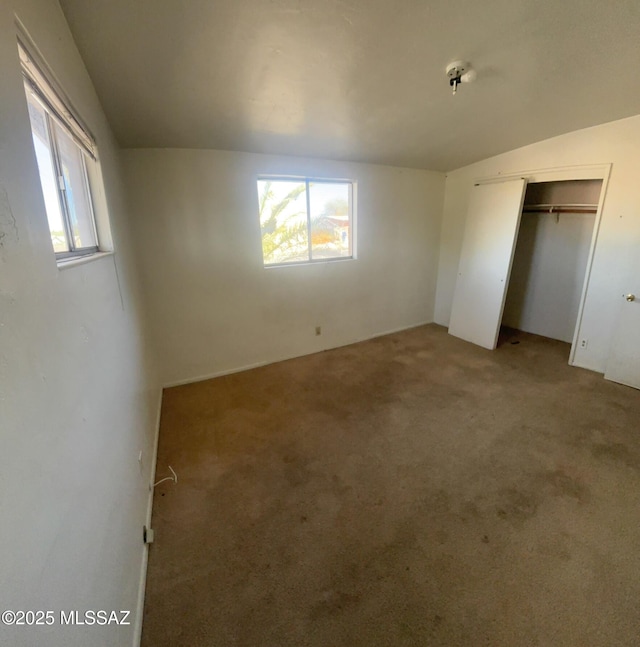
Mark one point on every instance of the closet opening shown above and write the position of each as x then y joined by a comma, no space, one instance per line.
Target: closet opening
550,261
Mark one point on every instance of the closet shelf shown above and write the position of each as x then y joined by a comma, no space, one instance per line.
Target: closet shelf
560,208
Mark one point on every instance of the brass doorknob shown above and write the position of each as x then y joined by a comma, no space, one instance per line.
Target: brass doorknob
630,297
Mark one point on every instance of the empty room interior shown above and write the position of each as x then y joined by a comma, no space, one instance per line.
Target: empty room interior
319,323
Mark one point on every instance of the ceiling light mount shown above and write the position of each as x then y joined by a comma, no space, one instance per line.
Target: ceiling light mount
460,72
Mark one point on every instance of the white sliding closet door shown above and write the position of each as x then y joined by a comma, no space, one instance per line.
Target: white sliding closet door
485,263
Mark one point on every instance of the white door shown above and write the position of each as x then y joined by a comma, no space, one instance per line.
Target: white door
488,246
623,365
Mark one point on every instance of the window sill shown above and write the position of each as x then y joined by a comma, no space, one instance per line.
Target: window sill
319,261
66,263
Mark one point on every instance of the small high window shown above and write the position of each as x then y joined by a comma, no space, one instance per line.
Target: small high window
66,157
304,220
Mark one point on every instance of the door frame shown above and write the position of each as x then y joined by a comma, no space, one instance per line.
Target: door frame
559,174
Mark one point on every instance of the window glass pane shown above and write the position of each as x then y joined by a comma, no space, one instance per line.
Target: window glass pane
76,190
48,179
330,219
283,221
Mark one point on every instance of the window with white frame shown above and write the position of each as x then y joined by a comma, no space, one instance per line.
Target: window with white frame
66,156
305,220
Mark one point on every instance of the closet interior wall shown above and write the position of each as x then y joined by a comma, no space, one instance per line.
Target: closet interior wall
551,258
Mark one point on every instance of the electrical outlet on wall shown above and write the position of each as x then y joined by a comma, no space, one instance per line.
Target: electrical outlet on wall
584,343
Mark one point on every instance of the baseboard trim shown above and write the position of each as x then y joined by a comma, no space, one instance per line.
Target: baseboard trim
587,367
248,367
137,631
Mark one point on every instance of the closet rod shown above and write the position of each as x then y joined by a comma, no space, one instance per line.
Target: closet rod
560,208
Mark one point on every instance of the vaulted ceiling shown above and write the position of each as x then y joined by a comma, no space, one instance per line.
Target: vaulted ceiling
360,80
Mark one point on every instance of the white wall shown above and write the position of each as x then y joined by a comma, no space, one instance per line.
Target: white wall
215,307
619,237
548,274
78,399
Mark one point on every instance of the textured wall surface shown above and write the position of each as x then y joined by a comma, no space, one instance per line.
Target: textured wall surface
215,308
78,393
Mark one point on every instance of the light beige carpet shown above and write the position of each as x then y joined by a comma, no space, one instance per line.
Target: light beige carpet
409,490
